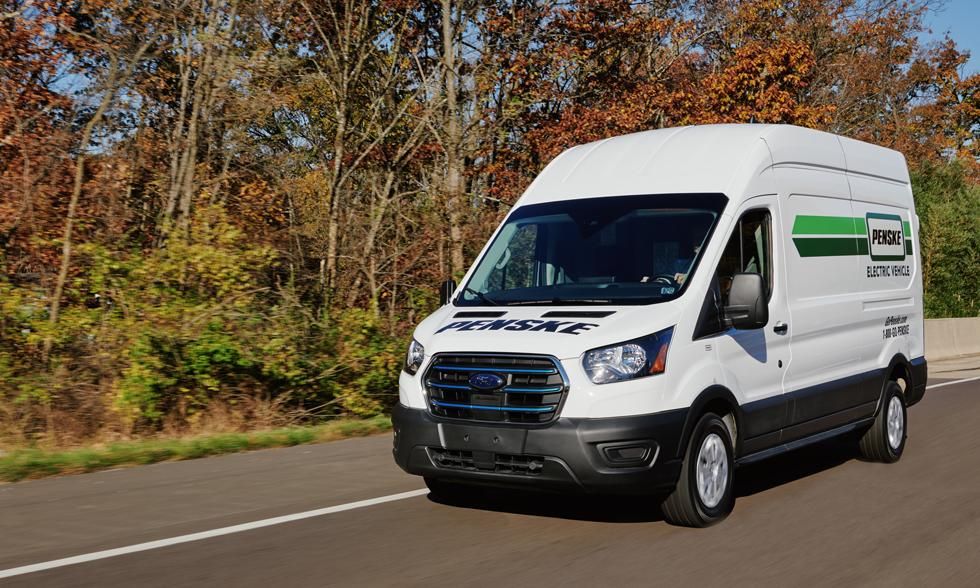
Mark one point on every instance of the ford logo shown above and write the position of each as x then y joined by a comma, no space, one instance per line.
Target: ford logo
486,381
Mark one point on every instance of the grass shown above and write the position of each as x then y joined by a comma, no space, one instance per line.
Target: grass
20,464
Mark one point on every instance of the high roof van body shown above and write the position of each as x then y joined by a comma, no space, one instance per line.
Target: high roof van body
661,307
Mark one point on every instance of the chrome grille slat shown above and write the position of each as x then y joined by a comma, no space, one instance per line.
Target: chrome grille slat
513,370
533,389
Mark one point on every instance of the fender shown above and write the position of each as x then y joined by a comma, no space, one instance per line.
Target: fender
712,394
901,364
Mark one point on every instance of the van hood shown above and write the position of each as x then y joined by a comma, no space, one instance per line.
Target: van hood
565,332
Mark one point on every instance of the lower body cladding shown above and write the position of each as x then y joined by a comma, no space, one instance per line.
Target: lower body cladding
636,454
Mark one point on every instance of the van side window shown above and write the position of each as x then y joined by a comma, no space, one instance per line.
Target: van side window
748,250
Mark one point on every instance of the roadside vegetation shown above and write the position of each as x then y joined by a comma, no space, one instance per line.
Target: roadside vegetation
28,463
221,217
948,205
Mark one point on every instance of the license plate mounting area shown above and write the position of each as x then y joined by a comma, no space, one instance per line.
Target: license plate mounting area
485,439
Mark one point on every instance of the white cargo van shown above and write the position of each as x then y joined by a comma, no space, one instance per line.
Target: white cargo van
662,307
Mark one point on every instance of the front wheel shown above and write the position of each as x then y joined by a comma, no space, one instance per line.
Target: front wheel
704,493
885,440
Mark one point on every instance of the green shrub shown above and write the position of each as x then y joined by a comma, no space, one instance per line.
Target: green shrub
368,361
181,329
948,205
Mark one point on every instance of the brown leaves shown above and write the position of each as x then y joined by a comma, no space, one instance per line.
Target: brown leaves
760,83
848,66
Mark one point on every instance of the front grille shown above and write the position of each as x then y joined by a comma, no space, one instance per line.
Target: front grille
501,463
531,388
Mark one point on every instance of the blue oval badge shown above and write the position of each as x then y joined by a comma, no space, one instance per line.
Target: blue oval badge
484,381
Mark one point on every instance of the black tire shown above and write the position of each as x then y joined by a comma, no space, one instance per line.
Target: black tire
875,444
684,506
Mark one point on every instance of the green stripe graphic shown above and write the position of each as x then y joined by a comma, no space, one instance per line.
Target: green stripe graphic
831,246
835,225
855,243
828,225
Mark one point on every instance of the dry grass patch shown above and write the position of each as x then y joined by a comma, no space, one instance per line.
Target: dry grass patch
29,463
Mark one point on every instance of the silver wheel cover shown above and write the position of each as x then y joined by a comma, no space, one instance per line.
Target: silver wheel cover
711,470
895,422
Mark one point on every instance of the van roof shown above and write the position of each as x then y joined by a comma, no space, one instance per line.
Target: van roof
703,159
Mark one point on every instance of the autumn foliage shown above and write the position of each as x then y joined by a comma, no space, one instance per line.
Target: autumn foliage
229,214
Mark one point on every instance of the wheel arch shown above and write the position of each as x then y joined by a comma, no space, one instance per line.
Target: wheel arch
899,370
719,400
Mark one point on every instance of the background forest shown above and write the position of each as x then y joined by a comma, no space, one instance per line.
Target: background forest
225,214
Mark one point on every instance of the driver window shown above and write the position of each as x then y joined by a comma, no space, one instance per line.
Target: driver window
748,250
516,266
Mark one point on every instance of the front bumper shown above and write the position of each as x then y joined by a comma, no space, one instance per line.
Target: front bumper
635,455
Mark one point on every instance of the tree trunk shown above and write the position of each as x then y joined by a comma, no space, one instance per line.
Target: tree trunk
76,192
452,143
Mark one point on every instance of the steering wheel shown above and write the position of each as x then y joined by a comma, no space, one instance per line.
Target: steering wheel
667,279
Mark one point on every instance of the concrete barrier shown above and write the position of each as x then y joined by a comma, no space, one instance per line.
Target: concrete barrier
953,337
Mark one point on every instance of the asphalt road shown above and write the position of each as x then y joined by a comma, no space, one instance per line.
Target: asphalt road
818,516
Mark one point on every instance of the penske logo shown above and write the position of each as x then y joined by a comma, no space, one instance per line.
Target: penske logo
566,327
886,239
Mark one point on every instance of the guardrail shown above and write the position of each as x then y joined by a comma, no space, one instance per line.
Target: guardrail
952,337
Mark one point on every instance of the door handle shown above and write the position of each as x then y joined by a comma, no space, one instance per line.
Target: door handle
780,328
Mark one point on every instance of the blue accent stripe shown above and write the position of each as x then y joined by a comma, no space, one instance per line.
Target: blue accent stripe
450,386
497,408
498,370
549,390
515,390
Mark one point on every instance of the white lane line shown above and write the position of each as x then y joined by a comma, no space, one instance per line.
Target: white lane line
953,382
87,557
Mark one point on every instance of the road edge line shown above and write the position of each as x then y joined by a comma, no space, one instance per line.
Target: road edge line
159,543
953,382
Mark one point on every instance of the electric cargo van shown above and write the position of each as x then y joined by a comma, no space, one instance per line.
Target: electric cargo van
660,308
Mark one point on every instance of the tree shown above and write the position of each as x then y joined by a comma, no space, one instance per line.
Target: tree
948,205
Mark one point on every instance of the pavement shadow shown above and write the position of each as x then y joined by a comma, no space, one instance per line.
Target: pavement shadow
794,465
749,480
577,507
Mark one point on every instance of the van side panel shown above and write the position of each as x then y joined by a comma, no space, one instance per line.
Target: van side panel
824,376
889,277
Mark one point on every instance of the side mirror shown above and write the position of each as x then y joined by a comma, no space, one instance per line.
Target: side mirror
747,306
446,290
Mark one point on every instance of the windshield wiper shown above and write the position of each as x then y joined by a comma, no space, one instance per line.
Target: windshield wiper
561,301
483,297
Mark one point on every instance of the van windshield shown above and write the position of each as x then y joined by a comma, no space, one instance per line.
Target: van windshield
609,250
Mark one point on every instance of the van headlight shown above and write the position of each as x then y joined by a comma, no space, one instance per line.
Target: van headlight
414,357
646,356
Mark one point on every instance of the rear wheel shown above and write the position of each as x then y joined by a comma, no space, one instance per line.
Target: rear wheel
885,440
704,493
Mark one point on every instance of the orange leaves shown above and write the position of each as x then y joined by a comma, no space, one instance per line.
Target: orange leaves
761,83
848,66
257,208
948,123
534,77
33,172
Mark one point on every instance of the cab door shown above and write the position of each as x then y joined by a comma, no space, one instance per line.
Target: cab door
754,360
